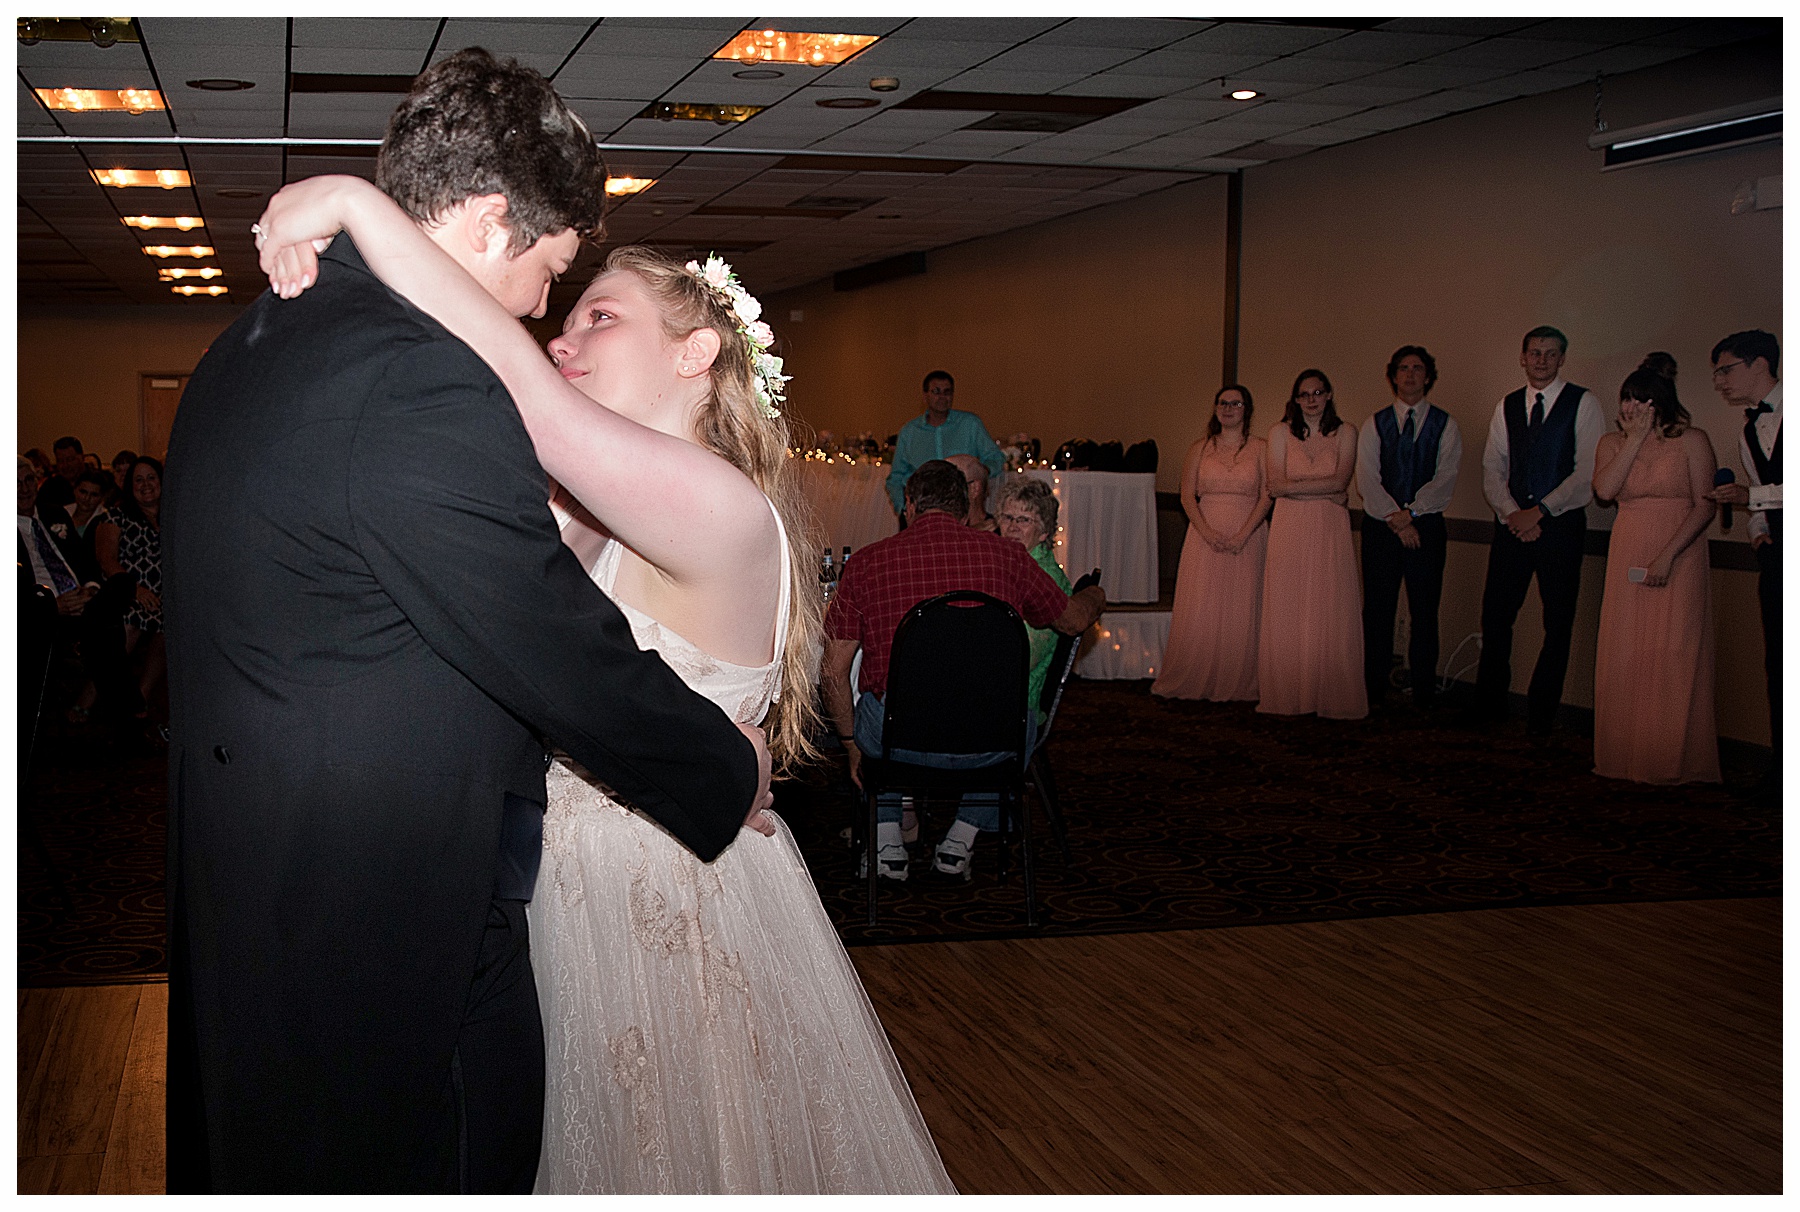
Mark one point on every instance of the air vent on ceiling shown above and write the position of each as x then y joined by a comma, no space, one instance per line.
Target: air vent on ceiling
1023,111
836,201
1733,126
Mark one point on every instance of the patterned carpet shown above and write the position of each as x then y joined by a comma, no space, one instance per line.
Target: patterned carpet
1187,815
1180,815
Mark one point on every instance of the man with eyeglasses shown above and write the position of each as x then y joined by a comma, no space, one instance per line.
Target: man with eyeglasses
1537,475
937,433
1744,368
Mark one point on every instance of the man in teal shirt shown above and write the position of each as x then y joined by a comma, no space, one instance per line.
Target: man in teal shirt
1027,515
942,431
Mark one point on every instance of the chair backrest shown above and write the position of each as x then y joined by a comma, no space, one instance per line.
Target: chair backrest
957,677
1062,664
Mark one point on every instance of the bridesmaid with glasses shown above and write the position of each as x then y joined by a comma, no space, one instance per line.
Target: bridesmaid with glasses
1212,646
1310,656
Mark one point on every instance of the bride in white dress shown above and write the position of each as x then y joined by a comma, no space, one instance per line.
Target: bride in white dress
705,1031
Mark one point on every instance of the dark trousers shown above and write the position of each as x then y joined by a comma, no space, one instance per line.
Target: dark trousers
1386,562
99,632
1768,593
497,1071
1555,559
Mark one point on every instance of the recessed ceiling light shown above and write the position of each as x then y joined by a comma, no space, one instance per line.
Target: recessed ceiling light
214,84
142,178
688,111
148,222
239,193
1242,94
79,100
778,46
173,250
622,187
169,274
758,73
847,103
191,291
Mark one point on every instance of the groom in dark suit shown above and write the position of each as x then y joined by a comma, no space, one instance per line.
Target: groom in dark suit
374,632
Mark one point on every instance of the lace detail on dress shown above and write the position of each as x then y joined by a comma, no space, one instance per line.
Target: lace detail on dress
708,1033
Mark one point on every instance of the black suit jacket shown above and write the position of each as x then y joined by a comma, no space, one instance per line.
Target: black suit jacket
76,553
371,623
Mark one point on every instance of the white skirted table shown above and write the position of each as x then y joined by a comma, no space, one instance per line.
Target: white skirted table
851,502
1127,644
1107,520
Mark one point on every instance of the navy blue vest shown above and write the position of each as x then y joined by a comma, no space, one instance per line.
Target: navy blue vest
1403,483
1768,466
1539,462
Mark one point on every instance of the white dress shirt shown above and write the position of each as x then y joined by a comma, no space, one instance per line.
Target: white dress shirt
1768,429
1431,497
1574,492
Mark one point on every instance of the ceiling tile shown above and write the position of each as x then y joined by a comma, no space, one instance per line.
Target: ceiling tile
1044,57
1515,54
1139,33
1380,46
978,29
386,33
1237,38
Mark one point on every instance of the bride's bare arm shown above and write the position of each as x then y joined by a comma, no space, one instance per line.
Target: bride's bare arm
682,508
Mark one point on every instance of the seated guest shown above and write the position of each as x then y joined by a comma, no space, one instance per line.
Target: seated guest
130,544
92,462
1653,664
1212,646
935,554
976,477
59,489
88,606
41,465
1027,512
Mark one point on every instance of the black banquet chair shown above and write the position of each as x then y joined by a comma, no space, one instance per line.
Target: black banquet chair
1037,768
956,685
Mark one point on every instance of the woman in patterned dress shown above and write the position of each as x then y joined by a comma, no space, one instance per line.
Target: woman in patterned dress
129,540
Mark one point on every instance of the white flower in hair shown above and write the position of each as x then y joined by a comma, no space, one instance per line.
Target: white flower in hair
769,382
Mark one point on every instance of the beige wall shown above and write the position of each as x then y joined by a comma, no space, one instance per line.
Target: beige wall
1462,234
79,367
1104,324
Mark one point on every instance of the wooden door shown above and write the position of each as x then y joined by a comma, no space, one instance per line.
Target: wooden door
158,397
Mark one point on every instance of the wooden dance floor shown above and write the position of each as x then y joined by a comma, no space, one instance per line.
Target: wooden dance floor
1602,1048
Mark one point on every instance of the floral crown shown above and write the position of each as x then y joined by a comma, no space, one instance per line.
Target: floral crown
717,276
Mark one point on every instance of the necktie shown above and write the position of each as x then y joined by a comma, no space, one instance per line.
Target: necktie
1537,412
1750,414
1408,435
61,579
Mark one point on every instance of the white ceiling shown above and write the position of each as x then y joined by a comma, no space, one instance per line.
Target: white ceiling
1320,86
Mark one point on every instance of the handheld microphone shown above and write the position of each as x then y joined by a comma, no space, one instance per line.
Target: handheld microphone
1721,478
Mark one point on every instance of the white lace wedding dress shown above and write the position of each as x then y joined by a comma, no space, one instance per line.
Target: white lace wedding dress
704,1029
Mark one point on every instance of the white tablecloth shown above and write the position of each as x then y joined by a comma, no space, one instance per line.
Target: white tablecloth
1107,520
851,501
1128,644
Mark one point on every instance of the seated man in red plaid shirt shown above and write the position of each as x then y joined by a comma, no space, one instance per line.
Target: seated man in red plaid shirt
935,554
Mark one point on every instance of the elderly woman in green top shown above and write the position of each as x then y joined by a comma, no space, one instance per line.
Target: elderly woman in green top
1027,514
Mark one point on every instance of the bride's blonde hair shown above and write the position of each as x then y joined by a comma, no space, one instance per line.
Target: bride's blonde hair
733,425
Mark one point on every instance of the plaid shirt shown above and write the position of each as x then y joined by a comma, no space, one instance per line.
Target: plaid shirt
933,555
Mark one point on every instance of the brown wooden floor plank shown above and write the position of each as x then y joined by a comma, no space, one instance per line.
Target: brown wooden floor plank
68,1108
135,1149
38,1009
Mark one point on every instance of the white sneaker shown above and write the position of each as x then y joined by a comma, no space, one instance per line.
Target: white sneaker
890,863
953,859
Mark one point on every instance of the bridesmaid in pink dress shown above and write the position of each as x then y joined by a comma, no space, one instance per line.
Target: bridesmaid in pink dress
1310,657
1218,595
1653,672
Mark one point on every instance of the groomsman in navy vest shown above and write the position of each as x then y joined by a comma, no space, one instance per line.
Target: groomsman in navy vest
1537,475
1744,368
1407,458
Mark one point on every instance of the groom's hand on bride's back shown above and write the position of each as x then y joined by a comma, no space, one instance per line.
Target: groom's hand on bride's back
757,819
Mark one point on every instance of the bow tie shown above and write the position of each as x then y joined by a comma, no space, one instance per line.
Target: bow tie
1750,414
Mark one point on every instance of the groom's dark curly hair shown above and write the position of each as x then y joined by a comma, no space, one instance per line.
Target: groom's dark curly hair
475,125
